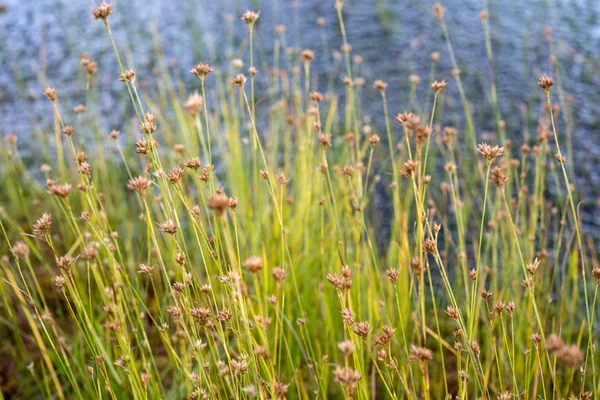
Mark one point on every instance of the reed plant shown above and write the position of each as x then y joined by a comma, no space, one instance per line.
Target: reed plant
252,236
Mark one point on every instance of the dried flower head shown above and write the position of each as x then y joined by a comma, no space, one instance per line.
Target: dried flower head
218,203
414,79
250,17
20,250
317,97
545,82
201,70
533,267
571,355
194,103
42,225
362,329
146,269
102,11
281,178
253,264
60,190
346,376
68,130
176,175
139,184
278,274
554,344
393,275
192,163
148,126
452,312
379,85
408,168
438,86
488,152
374,139
498,177
420,353
168,226
438,10
239,80
346,347
65,262
307,56
50,93
127,76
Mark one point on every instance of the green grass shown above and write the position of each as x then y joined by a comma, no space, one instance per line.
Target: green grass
269,270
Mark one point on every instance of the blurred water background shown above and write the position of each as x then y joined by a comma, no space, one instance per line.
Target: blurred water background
41,42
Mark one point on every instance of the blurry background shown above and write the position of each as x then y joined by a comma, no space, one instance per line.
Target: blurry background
41,42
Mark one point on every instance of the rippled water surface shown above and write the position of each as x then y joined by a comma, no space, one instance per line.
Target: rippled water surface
41,40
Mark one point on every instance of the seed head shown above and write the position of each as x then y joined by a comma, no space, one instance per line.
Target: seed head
438,11
194,103
510,307
145,269
488,152
127,76
253,264
102,11
89,252
59,282
201,70
316,97
545,82
393,275
346,376
20,250
420,353
452,312
346,347
554,344
218,203
65,262
139,184
408,168
239,80
498,177
250,17
50,93
168,226
571,355
279,389
176,175
60,190
379,85
362,329
438,86
307,56
68,130
42,225
278,274
532,268
149,125
281,178
374,139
